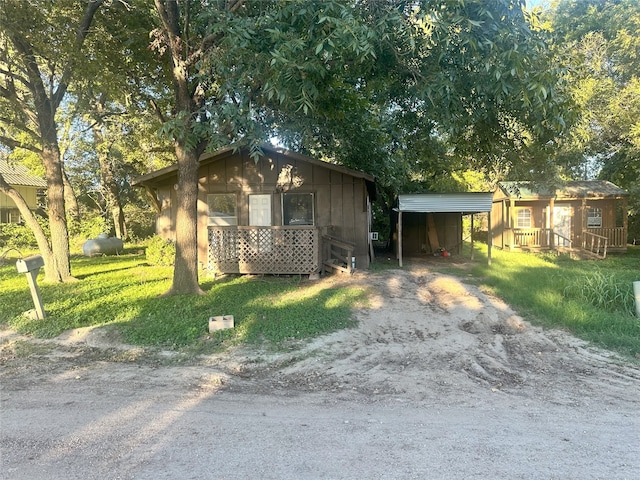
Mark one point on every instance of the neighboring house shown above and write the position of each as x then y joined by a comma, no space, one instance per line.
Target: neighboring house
28,185
588,215
429,223
285,213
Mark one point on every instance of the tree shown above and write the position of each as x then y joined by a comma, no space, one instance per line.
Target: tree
40,52
604,80
227,60
471,77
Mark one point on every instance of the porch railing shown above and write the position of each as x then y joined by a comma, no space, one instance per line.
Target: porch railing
593,237
268,250
531,237
616,237
594,243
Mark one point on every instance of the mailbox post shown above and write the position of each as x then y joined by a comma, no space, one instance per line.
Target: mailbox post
30,266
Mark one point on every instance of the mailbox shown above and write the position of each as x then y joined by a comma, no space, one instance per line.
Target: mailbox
30,267
29,264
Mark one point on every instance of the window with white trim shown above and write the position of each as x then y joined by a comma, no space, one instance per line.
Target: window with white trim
297,209
223,209
594,217
523,218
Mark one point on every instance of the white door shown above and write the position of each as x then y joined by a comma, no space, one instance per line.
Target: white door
562,224
260,210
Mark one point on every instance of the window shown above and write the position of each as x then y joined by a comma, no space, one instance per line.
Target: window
594,217
524,218
297,209
222,209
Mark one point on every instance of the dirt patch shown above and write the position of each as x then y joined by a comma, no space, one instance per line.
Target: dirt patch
424,336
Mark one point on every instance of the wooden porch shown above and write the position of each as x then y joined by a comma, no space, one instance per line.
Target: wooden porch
597,241
264,250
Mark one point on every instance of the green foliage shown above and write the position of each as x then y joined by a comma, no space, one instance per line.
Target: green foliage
124,292
602,290
18,236
160,252
90,227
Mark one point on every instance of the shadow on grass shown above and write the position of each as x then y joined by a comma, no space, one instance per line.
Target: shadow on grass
592,299
126,293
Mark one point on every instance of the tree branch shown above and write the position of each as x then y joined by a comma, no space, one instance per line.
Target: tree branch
12,143
81,34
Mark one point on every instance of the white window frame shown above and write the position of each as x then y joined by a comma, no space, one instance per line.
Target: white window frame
594,217
222,218
526,220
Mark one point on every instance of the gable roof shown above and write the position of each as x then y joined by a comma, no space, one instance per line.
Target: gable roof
464,202
567,190
16,175
207,158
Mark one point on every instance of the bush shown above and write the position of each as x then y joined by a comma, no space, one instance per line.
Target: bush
18,236
161,252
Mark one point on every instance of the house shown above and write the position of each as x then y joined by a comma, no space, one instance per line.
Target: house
284,213
587,215
432,222
29,186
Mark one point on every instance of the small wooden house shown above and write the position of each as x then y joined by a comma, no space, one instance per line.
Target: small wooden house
588,215
29,186
284,213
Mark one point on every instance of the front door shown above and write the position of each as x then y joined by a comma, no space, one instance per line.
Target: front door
260,210
562,225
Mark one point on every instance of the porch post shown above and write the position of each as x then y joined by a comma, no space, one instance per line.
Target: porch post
552,203
625,222
400,237
489,240
472,235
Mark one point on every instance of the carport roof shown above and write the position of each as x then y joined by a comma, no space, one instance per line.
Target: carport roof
467,202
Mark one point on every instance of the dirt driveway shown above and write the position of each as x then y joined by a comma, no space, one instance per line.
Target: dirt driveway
438,380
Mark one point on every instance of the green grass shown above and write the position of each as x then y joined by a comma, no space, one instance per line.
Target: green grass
593,299
124,292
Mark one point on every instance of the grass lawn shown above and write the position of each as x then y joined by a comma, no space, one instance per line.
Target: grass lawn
593,299
124,292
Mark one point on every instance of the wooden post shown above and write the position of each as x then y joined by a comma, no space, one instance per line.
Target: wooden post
489,240
552,239
35,293
400,238
472,236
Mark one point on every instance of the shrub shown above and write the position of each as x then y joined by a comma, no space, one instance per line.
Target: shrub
16,235
160,252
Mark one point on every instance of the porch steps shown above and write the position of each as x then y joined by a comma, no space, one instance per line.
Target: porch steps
339,257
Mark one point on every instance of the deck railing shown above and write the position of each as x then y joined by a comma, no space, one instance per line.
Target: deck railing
595,244
268,250
616,236
592,238
531,237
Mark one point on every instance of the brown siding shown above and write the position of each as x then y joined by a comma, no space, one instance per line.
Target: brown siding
340,199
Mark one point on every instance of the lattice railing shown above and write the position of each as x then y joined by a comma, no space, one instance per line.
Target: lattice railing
269,250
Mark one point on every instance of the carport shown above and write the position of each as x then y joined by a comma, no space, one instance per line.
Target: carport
468,203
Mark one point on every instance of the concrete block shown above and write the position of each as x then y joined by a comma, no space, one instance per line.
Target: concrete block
220,322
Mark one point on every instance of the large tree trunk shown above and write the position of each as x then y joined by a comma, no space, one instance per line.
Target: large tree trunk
187,101
70,199
185,272
57,214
